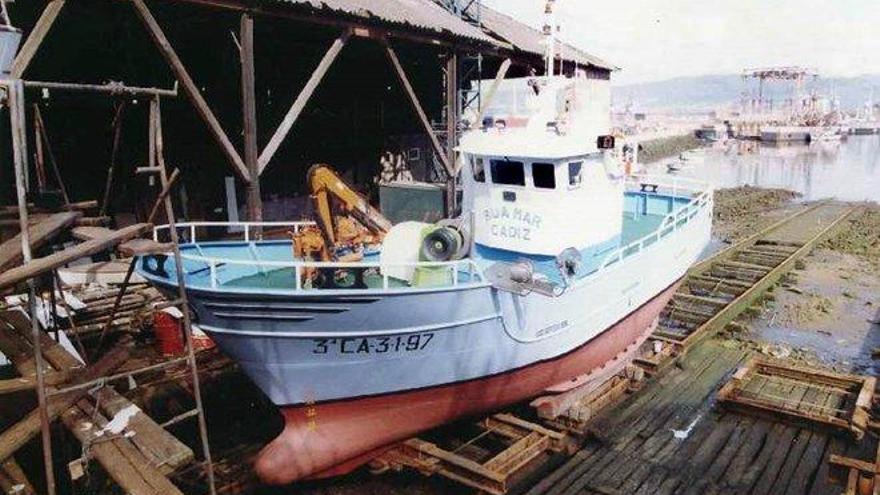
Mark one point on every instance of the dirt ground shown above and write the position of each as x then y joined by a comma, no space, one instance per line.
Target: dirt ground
827,311
742,211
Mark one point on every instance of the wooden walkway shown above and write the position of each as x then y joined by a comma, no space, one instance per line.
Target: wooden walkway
672,438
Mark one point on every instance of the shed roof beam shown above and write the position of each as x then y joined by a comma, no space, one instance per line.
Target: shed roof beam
191,90
302,99
35,38
414,100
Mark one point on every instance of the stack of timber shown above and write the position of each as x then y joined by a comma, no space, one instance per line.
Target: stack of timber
40,234
9,278
138,457
133,313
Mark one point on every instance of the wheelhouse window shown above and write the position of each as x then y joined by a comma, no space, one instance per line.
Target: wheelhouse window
575,174
479,169
544,175
508,172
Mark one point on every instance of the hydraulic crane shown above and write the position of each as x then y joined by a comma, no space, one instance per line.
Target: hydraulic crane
346,222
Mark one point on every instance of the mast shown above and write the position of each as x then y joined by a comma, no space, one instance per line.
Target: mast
550,38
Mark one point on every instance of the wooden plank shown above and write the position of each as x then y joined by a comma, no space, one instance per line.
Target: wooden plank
302,99
19,384
88,233
13,480
61,258
161,448
414,101
128,468
191,90
39,235
35,38
21,432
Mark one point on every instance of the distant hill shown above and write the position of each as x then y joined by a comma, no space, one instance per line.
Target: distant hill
706,92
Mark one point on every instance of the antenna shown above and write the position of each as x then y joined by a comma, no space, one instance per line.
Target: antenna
549,37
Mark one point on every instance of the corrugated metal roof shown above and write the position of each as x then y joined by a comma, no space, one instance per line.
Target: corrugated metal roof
424,15
529,39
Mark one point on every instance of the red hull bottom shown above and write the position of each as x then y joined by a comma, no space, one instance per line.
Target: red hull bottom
332,438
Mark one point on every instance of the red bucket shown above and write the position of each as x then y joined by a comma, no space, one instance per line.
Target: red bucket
169,333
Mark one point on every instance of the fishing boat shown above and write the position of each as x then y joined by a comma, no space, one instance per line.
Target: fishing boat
557,264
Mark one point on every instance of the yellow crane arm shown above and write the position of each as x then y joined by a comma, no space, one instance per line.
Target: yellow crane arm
323,183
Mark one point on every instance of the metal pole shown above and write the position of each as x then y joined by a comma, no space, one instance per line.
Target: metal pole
112,89
156,123
15,94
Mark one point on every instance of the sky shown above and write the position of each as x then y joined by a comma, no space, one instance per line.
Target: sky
660,39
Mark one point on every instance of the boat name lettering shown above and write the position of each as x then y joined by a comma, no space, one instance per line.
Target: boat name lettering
552,328
373,345
512,223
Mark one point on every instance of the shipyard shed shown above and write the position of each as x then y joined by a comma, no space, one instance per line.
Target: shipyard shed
323,88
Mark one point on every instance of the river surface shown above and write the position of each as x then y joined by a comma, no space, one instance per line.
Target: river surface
848,170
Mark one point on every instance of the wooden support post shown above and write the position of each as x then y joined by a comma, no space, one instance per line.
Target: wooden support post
43,141
166,189
35,39
414,100
191,90
451,129
15,91
249,113
39,156
302,99
114,154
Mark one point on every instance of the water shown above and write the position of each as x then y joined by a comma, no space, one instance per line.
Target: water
848,170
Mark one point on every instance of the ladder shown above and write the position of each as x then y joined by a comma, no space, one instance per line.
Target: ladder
15,96
157,166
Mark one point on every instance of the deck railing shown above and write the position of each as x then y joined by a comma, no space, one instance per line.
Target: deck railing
700,194
212,264
192,228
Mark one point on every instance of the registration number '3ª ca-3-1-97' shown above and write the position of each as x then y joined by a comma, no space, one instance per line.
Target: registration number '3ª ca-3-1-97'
377,345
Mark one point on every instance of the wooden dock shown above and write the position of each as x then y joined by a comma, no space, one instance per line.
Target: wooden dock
671,438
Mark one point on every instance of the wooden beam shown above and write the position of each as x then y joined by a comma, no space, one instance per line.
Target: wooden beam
490,95
61,258
191,90
175,174
114,155
414,100
21,432
35,38
302,99
39,235
249,115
